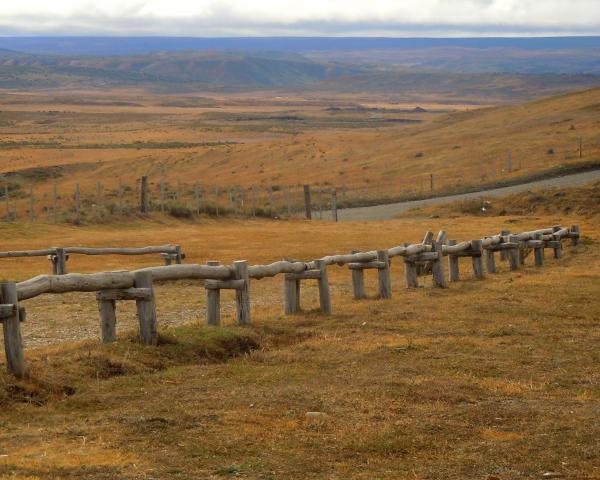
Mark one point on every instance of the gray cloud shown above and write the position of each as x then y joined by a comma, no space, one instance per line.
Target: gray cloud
383,18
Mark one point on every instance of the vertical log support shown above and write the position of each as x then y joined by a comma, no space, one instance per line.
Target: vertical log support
558,247
242,295
146,309
178,254
437,267
61,261
477,258
334,211
324,296
291,287
13,342
144,196
538,251
514,255
213,301
490,260
108,320
574,234
307,204
358,282
454,274
410,273
504,253
385,279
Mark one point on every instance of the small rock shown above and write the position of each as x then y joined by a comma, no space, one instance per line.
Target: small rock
316,415
552,475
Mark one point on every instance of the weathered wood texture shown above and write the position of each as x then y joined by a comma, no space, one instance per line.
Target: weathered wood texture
146,309
213,301
358,282
242,295
384,276
324,296
11,327
454,271
108,320
477,258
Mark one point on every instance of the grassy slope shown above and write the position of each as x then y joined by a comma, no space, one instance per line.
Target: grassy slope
496,377
458,147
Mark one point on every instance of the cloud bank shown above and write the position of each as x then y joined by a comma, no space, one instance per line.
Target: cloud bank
212,18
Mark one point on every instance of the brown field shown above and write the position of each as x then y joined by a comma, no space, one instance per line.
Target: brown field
266,139
492,379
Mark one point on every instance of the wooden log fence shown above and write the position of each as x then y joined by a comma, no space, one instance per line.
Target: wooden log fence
138,285
59,256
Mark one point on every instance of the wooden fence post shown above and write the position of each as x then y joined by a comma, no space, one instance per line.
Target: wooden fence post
358,282
558,247
574,234
31,205
514,256
410,272
538,251
61,261
334,212
213,301
242,295
490,260
146,309
324,296
13,342
437,267
144,197
453,264
291,295
504,253
476,256
431,182
108,320
385,280
307,204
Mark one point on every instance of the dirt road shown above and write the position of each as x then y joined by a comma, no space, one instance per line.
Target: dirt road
384,212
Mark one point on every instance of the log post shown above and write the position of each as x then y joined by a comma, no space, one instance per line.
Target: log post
453,264
558,247
146,309
574,234
477,258
13,342
490,260
410,272
334,212
514,255
504,253
291,290
61,261
242,296
385,280
213,301
307,204
538,251
324,296
179,255
108,320
437,267
144,197
358,282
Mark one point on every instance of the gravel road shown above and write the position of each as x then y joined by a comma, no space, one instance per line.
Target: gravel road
391,210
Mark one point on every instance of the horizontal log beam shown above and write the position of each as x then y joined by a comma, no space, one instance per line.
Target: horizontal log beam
28,253
122,250
224,284
125,294
367,265
422,257
308,275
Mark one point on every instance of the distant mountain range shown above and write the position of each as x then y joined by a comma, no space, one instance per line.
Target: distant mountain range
504,67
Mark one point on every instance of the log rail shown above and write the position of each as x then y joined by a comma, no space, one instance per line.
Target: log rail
420,259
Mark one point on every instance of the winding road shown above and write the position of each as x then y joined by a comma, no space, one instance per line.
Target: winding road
391,210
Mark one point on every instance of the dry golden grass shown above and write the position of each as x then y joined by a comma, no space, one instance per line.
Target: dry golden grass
322,147
488,379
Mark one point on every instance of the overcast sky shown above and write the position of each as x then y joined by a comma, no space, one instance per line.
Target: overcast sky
207,18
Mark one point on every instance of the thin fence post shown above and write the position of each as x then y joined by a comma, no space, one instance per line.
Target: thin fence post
431,182
514,255
510,163
31,205
108,320
558,247
477,260
504,253
291,288
307,203
358,282
490,261
334,212
144,197
11,326
538,251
